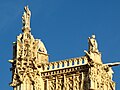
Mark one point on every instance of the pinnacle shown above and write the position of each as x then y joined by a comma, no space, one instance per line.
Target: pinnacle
26,19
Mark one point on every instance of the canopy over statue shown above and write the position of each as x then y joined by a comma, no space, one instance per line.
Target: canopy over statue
26,18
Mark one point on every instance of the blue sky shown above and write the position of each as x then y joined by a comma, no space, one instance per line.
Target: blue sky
64,26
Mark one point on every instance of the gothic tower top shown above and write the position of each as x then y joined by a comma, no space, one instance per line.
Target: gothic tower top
31,69
26,20
28,56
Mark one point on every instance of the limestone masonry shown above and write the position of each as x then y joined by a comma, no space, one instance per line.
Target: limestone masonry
31,69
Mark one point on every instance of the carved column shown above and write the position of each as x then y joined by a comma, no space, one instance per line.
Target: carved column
59,83
70,83
50,86
82,82
93,83
76,82
65,82
56,82
47,81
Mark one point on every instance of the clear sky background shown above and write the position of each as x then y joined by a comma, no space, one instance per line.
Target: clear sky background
64,26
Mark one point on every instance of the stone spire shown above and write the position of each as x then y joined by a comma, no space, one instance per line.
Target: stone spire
26,20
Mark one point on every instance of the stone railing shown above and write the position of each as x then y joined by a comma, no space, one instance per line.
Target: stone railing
65,63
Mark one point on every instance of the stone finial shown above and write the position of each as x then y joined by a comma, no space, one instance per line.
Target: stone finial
26,19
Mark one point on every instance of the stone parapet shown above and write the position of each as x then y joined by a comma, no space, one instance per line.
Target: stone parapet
65,63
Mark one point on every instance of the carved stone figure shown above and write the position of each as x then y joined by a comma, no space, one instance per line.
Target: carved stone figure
26,17
93,53
93,46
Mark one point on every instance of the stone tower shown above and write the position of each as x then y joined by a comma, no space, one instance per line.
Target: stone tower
31,69
29,55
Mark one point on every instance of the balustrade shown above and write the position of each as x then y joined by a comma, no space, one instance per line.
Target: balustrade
65,63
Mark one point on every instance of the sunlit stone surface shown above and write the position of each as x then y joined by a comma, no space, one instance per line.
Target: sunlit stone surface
31,69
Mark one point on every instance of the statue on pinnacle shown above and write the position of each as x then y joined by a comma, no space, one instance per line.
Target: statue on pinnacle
93,46
26,18
93,53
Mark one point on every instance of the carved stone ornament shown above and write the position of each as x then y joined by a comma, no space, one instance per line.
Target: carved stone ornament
102,74
93,53
26,17
76,82
32,71
52,85
27,62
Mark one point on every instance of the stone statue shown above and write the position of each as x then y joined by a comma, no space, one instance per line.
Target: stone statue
93,46
93,53
26,17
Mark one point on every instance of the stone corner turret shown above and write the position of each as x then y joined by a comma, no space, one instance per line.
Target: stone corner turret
28,56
